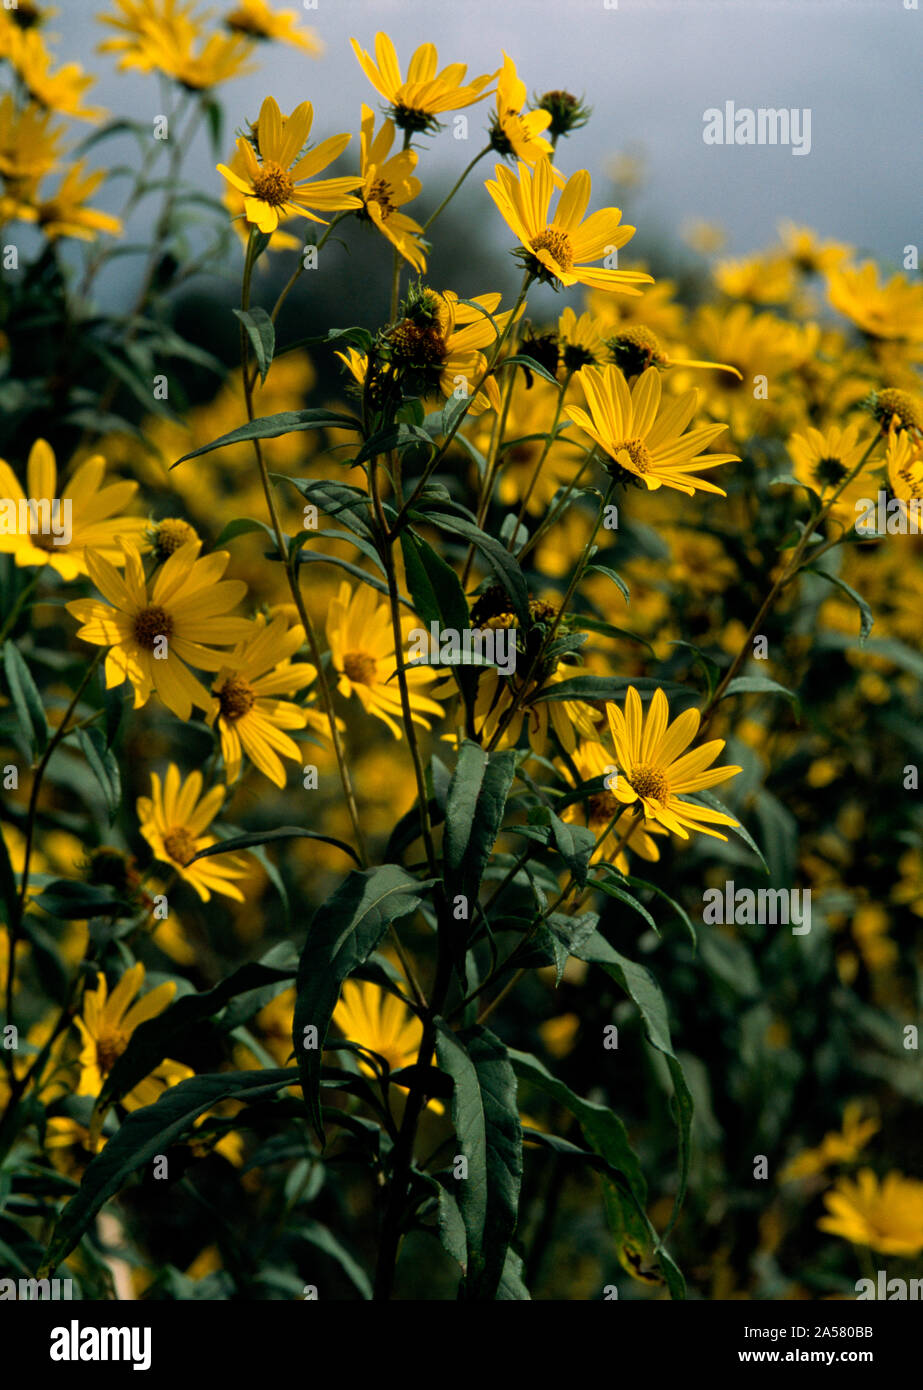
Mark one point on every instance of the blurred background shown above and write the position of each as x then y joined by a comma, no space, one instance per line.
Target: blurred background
649,69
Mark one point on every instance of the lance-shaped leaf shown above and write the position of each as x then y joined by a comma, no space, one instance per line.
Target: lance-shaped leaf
264,837
503,564
602,1128
473,817
146,1132
438,598
262,334
644,990
26,700
486,1119
343,934
272,426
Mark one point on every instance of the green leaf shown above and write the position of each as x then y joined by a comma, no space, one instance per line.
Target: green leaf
104,766
867,617
146,1132
612,888
603,1130
264,837
8,890
611,688
272,426
474,814
681,912
324,1239
343,934
241,526
708,798
522,359
262,334
575,844
76,901
486,1119
645,992
26,700
504,565
350,504
438,597
617,579
758,685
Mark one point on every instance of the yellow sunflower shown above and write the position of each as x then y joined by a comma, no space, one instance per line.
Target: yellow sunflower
153,629
255,19
361,644
836,1146
426,94
641,437
164,36
379,1021
61,92
89,515
824,459
904,459
439,340
893,310
886,1215
174,820
567,719
64,213
30,142
106,1024
559,248
276,184
654,770
250,718
514,131
591,760
387,184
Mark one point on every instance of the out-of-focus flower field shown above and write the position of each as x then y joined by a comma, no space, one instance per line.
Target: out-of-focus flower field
460,807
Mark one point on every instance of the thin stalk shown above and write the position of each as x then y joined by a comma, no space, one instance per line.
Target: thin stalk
289,564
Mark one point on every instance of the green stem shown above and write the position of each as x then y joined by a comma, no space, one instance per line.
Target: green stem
290,563
455,187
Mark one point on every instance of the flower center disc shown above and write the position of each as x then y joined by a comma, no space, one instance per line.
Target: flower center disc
236,697
108,1050
380,193
273,184
360,667
557,244
151,623
180,845
642,460
651,783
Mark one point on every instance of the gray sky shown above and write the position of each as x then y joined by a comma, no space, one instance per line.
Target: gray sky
649,68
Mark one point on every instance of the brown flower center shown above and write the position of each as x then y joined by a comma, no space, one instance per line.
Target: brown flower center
236,697
380,193
108,1050
418,343
273,184
360,667
601,808
170,534
650,782
893,402
557,244
150,623
180,845
642,460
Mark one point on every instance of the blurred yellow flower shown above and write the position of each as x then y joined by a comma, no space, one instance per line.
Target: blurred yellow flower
885,1214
